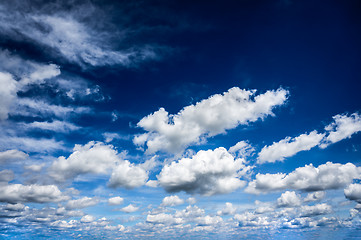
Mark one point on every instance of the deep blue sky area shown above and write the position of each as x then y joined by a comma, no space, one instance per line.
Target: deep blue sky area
180,119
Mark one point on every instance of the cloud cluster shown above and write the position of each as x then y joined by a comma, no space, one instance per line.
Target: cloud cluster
18,193
207,173
353,192
307,178
209,117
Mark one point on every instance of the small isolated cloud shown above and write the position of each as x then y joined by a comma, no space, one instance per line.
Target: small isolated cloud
318,209
344,126
288,147
173,200
115,201
314,196
289,199
208,173
81,203
353,192
307,178
129,209
242,149
56,126
18,193
209,117
228,209
87,219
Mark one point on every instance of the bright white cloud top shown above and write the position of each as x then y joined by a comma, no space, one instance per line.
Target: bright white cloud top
209,117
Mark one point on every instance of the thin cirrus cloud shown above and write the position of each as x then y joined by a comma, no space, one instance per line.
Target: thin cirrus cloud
343,127
307,178
70,35
209,117
207,173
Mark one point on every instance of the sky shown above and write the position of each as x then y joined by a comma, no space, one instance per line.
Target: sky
180,119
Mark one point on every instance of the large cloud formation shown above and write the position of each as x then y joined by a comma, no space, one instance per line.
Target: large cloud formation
209,117
307,178
207,173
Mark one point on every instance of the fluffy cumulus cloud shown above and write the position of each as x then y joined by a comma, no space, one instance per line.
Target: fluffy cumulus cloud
17,193
129,209
209,117
115,200
314,196
353,192
242,149
163,218
172,200
289,199
99,158
94,157
288,147
344,126
228,209
207,173
318,209
307,178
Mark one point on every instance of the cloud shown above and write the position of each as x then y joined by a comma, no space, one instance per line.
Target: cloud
128,175
87,219
93,157
6,176
7,94
289,199
343,127
318,209
307,178
115,201
28,144
209,117
12,155
129,209
18,193
314,196
163,218
242,149
249,219
353,192
288,147
227,210
81,203
173,200
74,34
208,173
56,126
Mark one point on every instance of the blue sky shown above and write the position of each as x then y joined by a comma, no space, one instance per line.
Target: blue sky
180,119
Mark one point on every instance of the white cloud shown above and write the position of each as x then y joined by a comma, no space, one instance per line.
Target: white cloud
94,157
288,147
207,173
129,209
115,201
56,126
242,149
249,219
16,193
353,192
227,210
315,196
172,200
191,200
208,220
87,219
289,199
343,127
81,203
318,209
29,144
209,117
8,89
163,218
128,175
34,167
12,155
307,178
